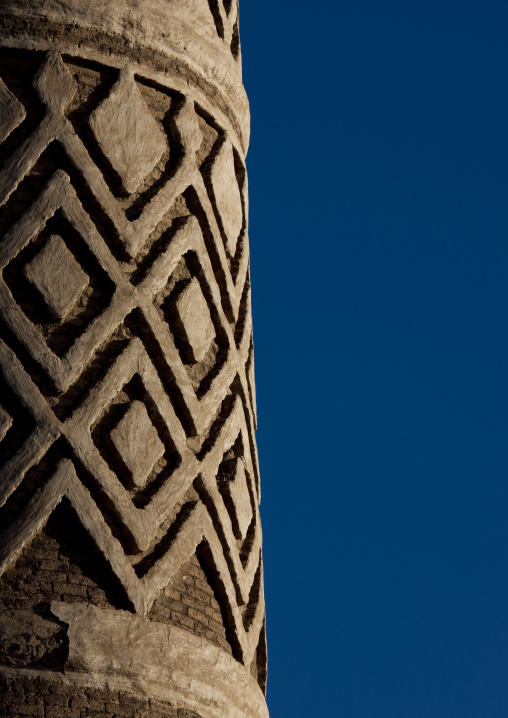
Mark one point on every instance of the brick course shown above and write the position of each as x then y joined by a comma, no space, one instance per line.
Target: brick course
46,699
189,602
141,208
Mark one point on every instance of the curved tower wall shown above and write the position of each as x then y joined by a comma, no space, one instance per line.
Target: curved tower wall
130,543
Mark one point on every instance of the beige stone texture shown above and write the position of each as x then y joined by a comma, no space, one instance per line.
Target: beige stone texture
183,33
131,579
58,277
127,133
12,112
241,503
195,317
158,660
227,196
5,423
137,442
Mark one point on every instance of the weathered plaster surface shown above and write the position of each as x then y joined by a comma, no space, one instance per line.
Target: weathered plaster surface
184,33
130,539
156,660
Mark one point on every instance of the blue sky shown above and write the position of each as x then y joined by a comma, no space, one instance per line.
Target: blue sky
378,174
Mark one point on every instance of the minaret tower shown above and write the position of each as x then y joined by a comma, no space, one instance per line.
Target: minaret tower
131,579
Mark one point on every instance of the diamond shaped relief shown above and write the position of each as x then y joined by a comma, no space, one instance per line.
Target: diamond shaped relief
195,315
5,423
58,276
137,441
12,112
127,133
235,492
227,195
241,498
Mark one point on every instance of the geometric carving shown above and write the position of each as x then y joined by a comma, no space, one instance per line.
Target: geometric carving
59,195
127,133
12,112
227,195
55,85
137,405
225,15
57,275
195,317
5,423
126,387
232,481
136,440
209,379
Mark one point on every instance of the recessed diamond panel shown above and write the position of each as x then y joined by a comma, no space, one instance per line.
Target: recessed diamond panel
126,353
195,315
136,440
241,498
232,480
58,277
227,196
127,133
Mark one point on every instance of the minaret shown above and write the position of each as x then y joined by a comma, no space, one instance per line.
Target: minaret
130,543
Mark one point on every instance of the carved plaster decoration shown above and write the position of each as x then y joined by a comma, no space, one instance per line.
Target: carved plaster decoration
127,399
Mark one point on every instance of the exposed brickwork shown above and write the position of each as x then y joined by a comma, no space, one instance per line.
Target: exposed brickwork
126,366
189,602
45,699
60,564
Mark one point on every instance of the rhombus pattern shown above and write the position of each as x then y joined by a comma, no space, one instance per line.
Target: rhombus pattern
126,344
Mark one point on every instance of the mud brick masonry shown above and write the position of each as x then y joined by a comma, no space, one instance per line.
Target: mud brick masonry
131,579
